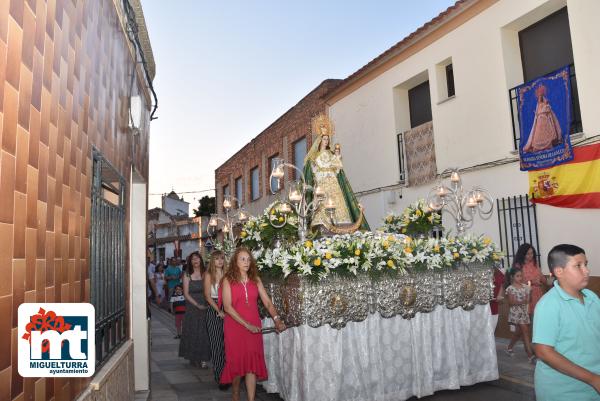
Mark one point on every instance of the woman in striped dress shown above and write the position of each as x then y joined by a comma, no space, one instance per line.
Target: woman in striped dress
214,321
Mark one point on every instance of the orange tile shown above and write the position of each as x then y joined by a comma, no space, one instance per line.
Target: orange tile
43,176
13,61
45,116
5,330
6,239
37,80
3,50
17,380
40,280
53,131
4,7
34,137
7,183
30,296
51,187
30,257
20,222
25,96
41,232
32,197
28,37
40,385
5,377
22,158
9,123
19,271
50,294
49,259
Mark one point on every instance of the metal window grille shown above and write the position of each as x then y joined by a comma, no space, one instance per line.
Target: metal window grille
401,158
517,220
108,252
576,125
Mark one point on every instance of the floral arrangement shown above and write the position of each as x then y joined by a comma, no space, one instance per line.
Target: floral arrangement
260,232
373,253
416,219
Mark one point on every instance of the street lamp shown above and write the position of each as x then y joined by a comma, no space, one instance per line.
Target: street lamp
460,205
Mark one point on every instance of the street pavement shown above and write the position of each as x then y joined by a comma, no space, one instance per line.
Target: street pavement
173,378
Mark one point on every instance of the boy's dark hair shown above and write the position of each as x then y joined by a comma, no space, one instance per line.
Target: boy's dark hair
560,254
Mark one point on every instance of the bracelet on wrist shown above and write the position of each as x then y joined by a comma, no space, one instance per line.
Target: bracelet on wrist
276,317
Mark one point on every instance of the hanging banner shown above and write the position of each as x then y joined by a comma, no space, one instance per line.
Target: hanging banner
545,121
575,184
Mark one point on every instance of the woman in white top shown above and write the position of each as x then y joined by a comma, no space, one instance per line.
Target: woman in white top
215,315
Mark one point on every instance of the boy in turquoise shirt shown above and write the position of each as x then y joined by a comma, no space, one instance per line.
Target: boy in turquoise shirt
566,331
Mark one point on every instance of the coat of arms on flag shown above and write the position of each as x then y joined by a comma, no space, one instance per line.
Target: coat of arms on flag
574,184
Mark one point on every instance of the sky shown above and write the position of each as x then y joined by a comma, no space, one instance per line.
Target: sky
226,70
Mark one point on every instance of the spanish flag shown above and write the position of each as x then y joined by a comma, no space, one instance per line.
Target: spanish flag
575,184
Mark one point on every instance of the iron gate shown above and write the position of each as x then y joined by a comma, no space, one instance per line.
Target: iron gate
517,221
107,253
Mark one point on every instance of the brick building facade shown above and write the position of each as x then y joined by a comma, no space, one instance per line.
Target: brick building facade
277,140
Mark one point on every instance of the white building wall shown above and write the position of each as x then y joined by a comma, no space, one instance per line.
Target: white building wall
474,127
175,207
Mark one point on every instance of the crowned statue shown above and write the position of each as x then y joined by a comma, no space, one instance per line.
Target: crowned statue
323,168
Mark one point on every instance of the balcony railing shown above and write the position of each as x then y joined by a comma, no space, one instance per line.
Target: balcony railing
576,125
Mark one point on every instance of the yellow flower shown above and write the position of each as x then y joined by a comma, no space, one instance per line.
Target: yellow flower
385,244
328,242
281,219
357,252
418,213
407,240
436,248
403,230
317,262
243,234
389,219
272,211
328,255
308,244
390,263
391,238
408,249
487,241
456,255
495,256
263,225
474,250
430,218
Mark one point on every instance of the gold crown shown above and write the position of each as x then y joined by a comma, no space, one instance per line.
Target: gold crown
320,121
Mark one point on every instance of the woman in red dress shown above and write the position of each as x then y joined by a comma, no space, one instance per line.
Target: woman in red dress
244,354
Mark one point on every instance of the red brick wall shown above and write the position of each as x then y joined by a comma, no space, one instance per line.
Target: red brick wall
64,83
290,127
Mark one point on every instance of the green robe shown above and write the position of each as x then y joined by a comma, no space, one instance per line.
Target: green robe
351,202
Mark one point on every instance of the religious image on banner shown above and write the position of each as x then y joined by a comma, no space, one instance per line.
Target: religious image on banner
545,121
574,184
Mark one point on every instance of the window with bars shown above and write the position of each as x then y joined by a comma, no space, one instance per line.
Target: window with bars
517,221
107,257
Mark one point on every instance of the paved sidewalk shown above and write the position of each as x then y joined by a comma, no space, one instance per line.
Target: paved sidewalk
173,378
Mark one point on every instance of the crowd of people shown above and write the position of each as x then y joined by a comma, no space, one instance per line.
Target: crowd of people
565,340
216,315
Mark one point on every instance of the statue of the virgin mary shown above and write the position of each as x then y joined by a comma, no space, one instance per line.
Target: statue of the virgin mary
323,168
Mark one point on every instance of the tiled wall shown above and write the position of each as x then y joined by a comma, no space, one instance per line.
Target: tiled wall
65,80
